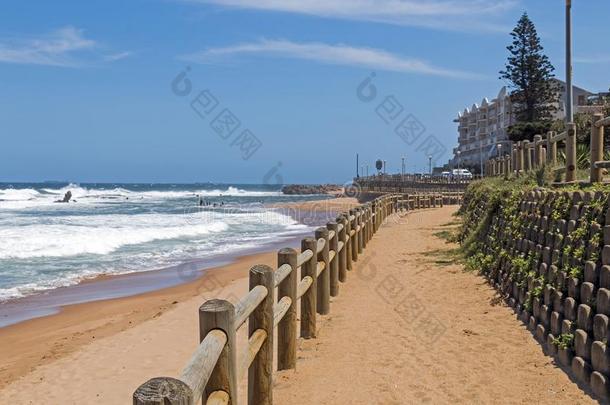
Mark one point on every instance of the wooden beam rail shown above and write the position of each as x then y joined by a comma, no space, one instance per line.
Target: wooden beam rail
526,156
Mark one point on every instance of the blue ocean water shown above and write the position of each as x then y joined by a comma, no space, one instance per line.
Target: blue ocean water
124,228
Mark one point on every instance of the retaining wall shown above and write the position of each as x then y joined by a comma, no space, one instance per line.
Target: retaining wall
548,252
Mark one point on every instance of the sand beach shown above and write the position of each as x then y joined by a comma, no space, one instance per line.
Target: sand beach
101,351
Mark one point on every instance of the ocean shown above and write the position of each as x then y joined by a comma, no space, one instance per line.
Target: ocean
126,228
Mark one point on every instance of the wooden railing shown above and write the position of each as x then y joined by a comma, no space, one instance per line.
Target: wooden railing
409,183
213,372
527,156
416,201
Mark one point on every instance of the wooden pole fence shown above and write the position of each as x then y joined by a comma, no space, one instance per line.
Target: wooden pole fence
214,370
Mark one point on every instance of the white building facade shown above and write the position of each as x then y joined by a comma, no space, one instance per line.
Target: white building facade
483,128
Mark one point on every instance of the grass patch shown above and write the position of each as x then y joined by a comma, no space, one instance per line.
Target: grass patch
457,222
448,236
444,257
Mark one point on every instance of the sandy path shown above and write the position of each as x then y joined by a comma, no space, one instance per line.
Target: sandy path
411,328
366,352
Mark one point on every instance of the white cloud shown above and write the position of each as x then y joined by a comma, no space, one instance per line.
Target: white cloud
64,47
369,58
463,15
117,56
592,59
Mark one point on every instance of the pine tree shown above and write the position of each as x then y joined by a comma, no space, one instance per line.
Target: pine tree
530,75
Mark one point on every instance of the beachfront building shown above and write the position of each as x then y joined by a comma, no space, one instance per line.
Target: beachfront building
483,128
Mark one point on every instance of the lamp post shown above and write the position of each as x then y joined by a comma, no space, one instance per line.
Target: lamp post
430,164
384,162
403,167
569,90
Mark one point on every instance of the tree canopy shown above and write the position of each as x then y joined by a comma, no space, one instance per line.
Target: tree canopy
528,70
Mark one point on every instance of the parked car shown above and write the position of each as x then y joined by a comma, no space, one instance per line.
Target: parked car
463,173
446,174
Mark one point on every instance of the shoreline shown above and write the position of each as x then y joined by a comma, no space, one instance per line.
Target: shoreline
50,336
44,339
106,286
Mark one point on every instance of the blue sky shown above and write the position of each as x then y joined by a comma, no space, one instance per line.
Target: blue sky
86,87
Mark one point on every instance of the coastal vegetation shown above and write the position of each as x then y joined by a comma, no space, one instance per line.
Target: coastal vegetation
502,198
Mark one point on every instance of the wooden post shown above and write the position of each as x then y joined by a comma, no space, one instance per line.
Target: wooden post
365,220
362,222
520,157
527,156
385,209
348,241
372,218
287,327
359,233
163,391
506,169
309,299
260,373
375,208
571,153
334,264
343,253
323,304
551,148
367,227
538,151
514,157
378,217
369,223
354,238
597,148
543,149
373,225
220,314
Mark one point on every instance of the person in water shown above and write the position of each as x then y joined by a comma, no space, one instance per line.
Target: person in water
66,198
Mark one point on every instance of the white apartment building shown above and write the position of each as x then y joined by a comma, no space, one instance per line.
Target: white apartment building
481,128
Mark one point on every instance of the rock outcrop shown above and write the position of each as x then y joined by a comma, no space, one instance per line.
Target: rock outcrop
304,189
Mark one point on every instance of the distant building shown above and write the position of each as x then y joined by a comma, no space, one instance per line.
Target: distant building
482,127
